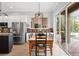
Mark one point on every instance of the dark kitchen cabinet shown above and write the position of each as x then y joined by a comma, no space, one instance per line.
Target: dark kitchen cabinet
6,43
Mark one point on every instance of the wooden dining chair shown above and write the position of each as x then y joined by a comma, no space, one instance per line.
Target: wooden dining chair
41,41
40,47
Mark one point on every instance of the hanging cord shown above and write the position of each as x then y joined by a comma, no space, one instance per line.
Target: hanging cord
39,11
0,6
39,6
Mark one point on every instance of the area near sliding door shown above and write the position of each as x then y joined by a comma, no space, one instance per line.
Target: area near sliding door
73,18
61,29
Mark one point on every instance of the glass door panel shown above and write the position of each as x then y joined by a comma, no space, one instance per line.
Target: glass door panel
61,30
73,17
74,32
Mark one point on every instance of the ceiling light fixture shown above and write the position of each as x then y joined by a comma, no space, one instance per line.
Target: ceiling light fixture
39,14
2,13
11,6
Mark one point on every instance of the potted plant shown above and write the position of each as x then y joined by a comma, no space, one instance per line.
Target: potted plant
62,36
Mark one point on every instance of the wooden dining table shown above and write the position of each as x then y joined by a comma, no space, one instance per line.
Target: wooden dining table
32,42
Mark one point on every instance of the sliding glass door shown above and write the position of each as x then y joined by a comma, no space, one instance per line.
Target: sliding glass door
68,29
73,17
61,29
58,35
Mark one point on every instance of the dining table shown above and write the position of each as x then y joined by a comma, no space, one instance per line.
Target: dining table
32,41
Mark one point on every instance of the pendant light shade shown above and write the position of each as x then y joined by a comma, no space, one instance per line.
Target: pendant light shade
39,15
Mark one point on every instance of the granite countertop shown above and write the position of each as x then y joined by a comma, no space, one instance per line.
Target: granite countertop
5,34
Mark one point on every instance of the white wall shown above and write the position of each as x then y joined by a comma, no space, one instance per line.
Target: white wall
13,18
50,19
19,17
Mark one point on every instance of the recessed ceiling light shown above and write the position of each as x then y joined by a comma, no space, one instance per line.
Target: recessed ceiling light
11,7
6,16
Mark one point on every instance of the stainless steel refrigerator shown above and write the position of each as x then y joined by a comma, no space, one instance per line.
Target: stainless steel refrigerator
18,32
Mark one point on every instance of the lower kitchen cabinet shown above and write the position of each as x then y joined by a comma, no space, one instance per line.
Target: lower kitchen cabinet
6,43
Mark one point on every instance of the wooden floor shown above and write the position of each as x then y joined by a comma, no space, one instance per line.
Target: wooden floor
19,50
22,50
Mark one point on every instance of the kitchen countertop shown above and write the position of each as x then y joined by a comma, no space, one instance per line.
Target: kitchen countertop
5,34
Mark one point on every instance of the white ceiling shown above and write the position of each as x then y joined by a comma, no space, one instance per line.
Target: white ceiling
29,6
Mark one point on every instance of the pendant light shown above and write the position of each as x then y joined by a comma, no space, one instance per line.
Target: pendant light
2,14
39,14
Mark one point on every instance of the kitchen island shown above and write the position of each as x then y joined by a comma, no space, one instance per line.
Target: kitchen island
6,42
